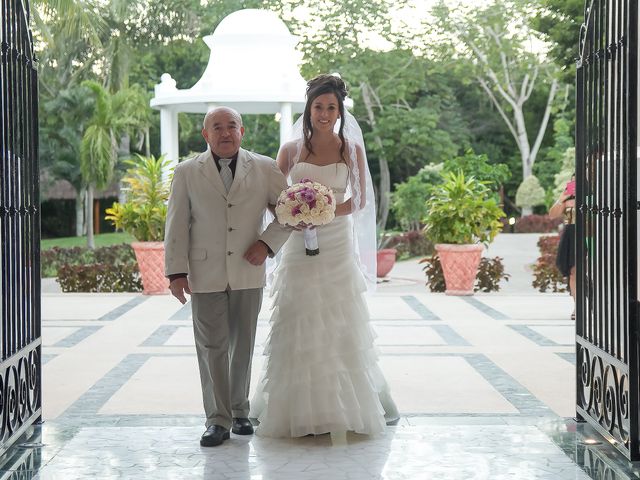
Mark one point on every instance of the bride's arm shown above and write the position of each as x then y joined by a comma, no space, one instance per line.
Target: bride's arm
348,207
284,158
283,164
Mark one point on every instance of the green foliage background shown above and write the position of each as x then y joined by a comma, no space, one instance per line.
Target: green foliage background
427,109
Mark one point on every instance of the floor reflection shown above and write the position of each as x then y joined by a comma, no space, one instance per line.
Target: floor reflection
552,449
593,453
24,459
600,459
346,455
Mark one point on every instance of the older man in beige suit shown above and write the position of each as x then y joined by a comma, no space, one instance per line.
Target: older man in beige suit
215,251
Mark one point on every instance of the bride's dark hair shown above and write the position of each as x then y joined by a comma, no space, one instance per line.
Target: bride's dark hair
319,86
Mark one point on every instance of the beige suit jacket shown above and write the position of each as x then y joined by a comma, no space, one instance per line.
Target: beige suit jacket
208,230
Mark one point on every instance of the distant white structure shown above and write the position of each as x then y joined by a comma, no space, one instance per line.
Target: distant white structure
253,68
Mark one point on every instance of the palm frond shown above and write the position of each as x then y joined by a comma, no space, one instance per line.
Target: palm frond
78,18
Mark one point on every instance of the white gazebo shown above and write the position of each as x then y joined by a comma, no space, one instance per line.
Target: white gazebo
253,68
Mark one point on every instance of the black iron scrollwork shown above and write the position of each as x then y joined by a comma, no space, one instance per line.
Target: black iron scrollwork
604,394
19,392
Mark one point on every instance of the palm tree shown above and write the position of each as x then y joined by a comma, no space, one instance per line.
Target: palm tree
78,19
122,113
62,124
98,150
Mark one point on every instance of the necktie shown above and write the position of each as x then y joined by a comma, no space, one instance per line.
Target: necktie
225,172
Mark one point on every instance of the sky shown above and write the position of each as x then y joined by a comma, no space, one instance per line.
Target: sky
410,17
416,13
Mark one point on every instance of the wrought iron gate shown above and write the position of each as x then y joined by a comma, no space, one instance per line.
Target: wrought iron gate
606,248
20,388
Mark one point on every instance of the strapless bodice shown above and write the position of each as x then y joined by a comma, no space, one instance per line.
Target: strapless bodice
334,175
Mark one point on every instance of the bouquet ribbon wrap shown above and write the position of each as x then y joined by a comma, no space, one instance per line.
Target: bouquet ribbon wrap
311,241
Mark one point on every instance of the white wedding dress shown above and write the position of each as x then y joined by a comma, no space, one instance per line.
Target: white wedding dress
321,373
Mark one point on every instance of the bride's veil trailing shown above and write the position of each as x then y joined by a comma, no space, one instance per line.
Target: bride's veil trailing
359,190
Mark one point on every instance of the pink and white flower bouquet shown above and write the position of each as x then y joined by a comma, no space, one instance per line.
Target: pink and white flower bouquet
306,203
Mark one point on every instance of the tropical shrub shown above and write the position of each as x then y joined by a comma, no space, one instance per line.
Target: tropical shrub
408,201
462,211
410,244
99,277
537,224
546,275
114,268
478,166
530,193
144,213
53,258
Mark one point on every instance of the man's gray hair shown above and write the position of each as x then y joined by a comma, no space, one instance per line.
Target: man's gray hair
215,110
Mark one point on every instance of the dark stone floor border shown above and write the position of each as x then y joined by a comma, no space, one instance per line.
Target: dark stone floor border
122,309
450,336
515,393
161,335
539,339
420,308
76,337
183,314
568,356
47,357
484,308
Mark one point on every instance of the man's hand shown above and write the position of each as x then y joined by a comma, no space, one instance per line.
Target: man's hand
257,253
179,287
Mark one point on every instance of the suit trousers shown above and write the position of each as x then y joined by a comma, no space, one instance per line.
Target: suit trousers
224,327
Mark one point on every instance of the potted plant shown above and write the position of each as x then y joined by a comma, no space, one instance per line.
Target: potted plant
463,216
385,257
143,216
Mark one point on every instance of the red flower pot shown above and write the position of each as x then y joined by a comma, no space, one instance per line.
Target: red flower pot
386,259
150,256
460,266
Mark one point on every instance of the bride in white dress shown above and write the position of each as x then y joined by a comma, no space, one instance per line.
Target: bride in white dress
321,373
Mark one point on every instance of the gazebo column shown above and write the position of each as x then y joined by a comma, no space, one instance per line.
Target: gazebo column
286,122
169,135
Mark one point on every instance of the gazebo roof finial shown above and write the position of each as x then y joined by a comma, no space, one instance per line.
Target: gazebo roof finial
253,67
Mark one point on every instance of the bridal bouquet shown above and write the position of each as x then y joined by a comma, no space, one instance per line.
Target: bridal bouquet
307,203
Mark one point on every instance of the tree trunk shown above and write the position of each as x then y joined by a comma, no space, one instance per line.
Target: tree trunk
122,195
124,147
522,140
80,198
527,169
147,143
89,223
384,188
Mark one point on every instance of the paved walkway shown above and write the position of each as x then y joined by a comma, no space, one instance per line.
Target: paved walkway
485,385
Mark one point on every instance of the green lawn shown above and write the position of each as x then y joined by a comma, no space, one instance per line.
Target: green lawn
102,240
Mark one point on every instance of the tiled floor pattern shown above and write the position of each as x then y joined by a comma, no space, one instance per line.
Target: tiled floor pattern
484,383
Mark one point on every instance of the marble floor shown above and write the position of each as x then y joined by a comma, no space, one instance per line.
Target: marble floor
460,448
484,385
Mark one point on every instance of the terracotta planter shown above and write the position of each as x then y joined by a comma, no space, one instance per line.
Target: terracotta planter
460,266
386,259
150,256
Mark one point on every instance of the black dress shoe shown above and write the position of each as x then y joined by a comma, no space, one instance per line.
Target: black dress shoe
242,426
214,436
